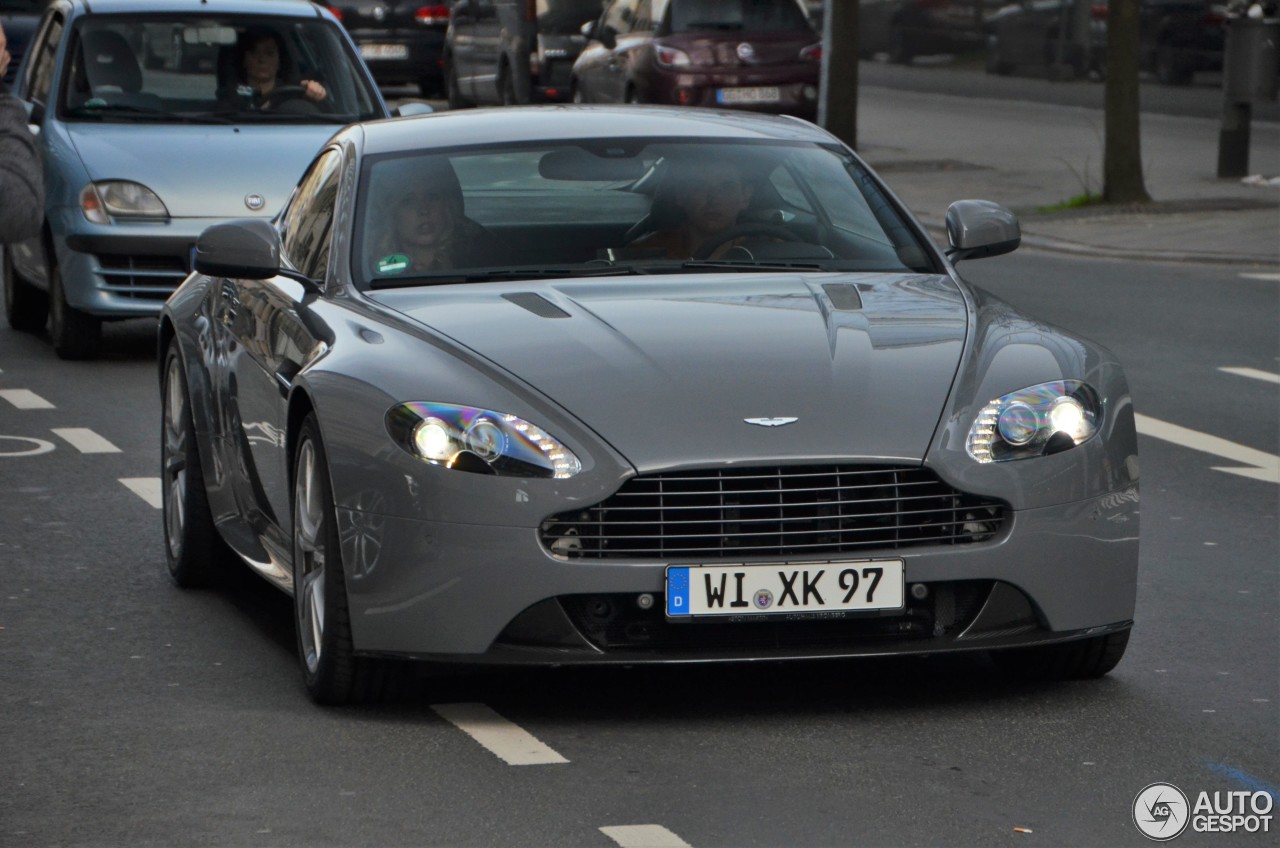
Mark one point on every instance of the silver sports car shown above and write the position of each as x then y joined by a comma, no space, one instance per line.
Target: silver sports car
587,384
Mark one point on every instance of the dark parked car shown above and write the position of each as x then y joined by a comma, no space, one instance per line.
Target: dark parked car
1177,38
19,18
761,55
514,51
401,41
905,29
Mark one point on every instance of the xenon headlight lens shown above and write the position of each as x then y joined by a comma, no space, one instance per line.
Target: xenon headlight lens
106,199
479,440
1040,420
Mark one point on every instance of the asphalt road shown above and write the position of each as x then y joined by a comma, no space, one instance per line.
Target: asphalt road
133,713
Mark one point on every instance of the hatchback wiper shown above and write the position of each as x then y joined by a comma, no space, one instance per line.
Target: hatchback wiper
269,116
130,110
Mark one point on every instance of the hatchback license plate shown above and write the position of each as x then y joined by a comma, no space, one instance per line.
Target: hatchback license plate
699,590
384,51
759,94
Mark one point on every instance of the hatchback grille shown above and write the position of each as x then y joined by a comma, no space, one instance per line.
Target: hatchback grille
739,513
142,277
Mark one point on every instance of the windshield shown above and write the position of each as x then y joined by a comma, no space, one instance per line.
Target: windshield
733,15
215,69
624,206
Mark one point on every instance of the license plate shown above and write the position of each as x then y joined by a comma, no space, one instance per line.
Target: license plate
759,94
699,590
384,51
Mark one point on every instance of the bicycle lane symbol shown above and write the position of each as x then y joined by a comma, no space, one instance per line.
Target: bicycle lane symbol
23,446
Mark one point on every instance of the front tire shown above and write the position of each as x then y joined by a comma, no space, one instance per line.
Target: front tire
75,334
1078,660
25,305
193,547
331,670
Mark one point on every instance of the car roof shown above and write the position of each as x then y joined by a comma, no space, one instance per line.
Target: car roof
576,121
278,8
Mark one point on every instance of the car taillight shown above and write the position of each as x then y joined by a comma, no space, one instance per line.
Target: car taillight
438,14
336,12
1098,11
812,53
530,10
1214,18
670,57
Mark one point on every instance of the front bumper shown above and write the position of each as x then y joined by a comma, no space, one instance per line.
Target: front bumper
482,593
797,90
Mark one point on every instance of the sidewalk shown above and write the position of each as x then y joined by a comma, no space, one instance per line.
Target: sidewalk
934,149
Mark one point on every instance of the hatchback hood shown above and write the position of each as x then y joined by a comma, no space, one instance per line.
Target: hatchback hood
203,171
667,370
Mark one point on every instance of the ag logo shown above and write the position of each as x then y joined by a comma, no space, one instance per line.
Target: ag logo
1161,812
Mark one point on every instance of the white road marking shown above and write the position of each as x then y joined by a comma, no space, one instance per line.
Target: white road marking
1254,373
147,488
643,836
25,399
41,446
85,440
508,741
1273,278
1261,465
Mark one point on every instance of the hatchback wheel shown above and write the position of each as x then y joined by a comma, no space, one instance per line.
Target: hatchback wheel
1081,659
331,670
194,549
26,306
452,90
75,334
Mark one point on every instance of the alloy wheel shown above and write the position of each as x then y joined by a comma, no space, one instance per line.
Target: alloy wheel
174,461
309,553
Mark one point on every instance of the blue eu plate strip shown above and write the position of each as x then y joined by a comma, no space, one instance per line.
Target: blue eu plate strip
677,591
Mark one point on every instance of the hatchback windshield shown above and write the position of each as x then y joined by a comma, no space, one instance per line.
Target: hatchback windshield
624,206
207,68
732,15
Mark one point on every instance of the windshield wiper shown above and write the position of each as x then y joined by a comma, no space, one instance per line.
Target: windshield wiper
482,275
737,265
245,116
116,110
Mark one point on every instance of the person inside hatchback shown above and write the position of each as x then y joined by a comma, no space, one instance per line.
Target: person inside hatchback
263,71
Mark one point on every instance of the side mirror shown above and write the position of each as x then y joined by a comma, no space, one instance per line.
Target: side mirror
247,249
977,229
404,110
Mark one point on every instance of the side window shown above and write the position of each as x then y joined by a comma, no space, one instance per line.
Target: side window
42,56
307,223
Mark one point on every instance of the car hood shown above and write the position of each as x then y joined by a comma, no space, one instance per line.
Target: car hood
668,370
203,171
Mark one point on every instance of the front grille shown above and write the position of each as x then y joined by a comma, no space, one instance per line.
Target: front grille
740,513
142,277
614,622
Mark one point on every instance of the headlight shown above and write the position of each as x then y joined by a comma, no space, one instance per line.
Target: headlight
1043,419
108,199
479,440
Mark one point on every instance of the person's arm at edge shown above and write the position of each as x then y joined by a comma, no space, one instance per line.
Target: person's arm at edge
21,182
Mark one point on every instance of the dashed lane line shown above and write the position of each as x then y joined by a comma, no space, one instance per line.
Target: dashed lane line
1254,373
1271,278
85,440
507,740
147,488
1261,465
643,836
25,399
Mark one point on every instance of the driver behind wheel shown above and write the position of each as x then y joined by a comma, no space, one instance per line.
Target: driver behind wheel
262,69
701,200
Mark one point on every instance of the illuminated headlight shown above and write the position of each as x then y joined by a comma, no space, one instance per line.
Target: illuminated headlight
479,440
1043,419
107,199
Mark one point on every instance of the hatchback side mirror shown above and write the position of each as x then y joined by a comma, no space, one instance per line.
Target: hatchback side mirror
247,249
977,229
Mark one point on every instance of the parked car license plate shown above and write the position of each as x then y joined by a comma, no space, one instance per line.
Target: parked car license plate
699,590
757,94
384,51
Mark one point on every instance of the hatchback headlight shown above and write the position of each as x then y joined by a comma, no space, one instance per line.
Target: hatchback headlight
1043,419
101,201
479,440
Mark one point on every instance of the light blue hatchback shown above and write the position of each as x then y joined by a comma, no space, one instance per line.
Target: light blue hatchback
152,130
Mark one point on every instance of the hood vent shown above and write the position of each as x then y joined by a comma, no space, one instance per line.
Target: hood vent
537,304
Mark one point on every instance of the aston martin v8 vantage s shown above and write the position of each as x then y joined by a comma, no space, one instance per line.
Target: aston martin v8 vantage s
637,384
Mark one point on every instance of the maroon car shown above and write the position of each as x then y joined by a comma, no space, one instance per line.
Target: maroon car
761,55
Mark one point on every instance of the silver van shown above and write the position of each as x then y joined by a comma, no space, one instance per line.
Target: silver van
514,51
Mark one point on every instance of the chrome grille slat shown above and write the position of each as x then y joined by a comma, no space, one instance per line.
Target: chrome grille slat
785,511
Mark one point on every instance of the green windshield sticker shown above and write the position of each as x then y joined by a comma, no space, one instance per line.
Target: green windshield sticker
393,264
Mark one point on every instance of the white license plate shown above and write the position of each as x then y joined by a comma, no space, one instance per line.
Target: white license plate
699,590
760,94
384,51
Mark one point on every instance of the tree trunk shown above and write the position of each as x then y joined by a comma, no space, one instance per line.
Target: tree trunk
838,92
1122,157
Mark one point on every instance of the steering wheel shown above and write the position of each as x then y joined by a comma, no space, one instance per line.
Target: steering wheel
282,93
709,246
